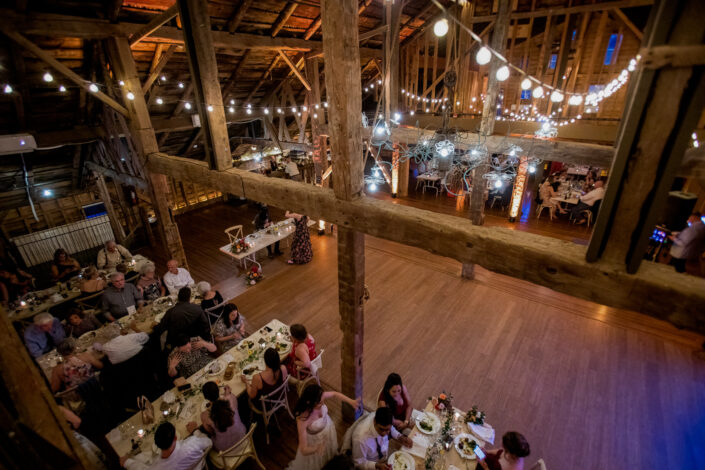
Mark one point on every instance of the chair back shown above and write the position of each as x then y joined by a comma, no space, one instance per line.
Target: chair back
214,313
234,233
90,302
317,363
275,400
596,207
539,465
238,453
346,446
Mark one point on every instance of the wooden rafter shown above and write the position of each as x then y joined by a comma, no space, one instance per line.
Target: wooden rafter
158,68
153,25
629,23
295,70
240,13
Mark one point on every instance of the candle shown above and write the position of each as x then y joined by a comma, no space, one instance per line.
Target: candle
140,433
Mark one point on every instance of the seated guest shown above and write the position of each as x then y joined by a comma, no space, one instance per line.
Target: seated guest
124,347
221,420
75,369
176,277
92,282
292,169
510,457
229,329
303,351
112,255
395,397
64,267
17,282
689,243
186,454
189,356
547,193
370,440
211,297
587,201
149,284
120,298
266,382
122,268
183,319
79,323
44,335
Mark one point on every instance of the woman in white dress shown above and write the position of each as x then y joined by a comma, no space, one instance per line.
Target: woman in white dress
318,440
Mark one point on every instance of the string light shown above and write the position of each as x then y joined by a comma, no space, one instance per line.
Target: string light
130,96
93,88
538,92
556,96
525,84
440,29
502,73
279,110
575,100
232,102
231,110
483,56
159,101
121,83
181,85
266,110
187,105
62,89
163,77
48,77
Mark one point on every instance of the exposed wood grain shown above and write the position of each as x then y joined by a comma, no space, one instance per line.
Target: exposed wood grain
153,25
158,68
239,15
295,70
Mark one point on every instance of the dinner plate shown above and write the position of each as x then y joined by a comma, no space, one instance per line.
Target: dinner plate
469,454
400,460
431,419
214,368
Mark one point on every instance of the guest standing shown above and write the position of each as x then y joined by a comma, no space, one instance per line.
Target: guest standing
395,396
688,244
149,283
176,277
112,255
229,329
510,457
318,440
120,298
64,267
301,251
92,282
263,221
303,351
44,335
79,323
183,319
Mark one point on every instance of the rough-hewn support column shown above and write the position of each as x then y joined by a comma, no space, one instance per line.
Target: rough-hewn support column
340,47
143,134
204,73
104,194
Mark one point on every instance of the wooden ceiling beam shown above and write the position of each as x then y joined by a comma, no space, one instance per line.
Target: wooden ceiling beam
629,23
62,69
158,69
235,21
153,25
283,18
295,69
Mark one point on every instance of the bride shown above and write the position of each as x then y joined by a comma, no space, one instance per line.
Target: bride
318,440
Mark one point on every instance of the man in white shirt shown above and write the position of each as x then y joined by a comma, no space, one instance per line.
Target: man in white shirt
112,255
124,347
370,441
587,201
176,277
175,455
292,170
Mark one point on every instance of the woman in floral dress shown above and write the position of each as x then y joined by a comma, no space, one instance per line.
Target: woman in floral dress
301,251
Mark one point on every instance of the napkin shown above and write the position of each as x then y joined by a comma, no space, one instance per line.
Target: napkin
416,414
420,444
227,358
484,432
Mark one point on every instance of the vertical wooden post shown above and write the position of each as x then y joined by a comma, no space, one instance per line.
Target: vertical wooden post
204,73
341,50
662,109
143,135
112,216
489,113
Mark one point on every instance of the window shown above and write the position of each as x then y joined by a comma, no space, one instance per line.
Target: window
613,48
575,33
552,62
525,94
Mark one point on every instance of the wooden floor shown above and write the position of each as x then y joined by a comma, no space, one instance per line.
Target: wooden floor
591,387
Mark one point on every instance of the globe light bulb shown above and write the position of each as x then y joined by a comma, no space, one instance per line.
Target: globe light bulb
538,92
160,101
231,110
130,96
575,100
440,29
525,84
532,169
210,108
93,88
483,56
502,73
187,105
62,89
372,187
556,96
48,77
498,184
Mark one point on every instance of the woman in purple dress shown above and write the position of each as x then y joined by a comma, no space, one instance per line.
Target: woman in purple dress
301,251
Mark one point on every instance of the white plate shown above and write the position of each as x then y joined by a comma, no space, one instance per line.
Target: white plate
215,368
432,420
400,460
463,453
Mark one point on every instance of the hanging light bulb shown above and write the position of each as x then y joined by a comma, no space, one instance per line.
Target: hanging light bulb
48,77
293,110
532,168
231,110
181,85
210,108
483,56
159,101
266,110
232,102
279,110
502,73
163,77
498,184
411,113
93,88
121,83
249,110
130,96
556,96
538,92
575,100
440,29
305,108
372,187
187,105
525,84
62,89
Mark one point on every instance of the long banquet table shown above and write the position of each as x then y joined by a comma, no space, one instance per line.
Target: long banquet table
188,405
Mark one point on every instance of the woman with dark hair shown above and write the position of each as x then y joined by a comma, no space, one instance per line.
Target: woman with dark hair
64,267
395,396
230,328
301,250
222,422
318,440
75,368
510,457
303,351
79,323
266,382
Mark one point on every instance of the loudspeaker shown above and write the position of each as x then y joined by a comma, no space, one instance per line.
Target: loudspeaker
678,208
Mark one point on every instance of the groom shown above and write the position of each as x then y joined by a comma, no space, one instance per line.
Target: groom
370,441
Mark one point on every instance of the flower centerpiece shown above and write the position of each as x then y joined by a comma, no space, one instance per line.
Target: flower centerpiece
253,276
443,402
475,416
239,246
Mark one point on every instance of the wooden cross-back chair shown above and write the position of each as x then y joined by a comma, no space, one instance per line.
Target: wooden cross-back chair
237,454
271,403
305,376
234,233
90,302
214,313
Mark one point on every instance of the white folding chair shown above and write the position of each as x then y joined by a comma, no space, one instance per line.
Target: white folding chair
539,465
237,454
305,376
551,210
234,233
271,403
